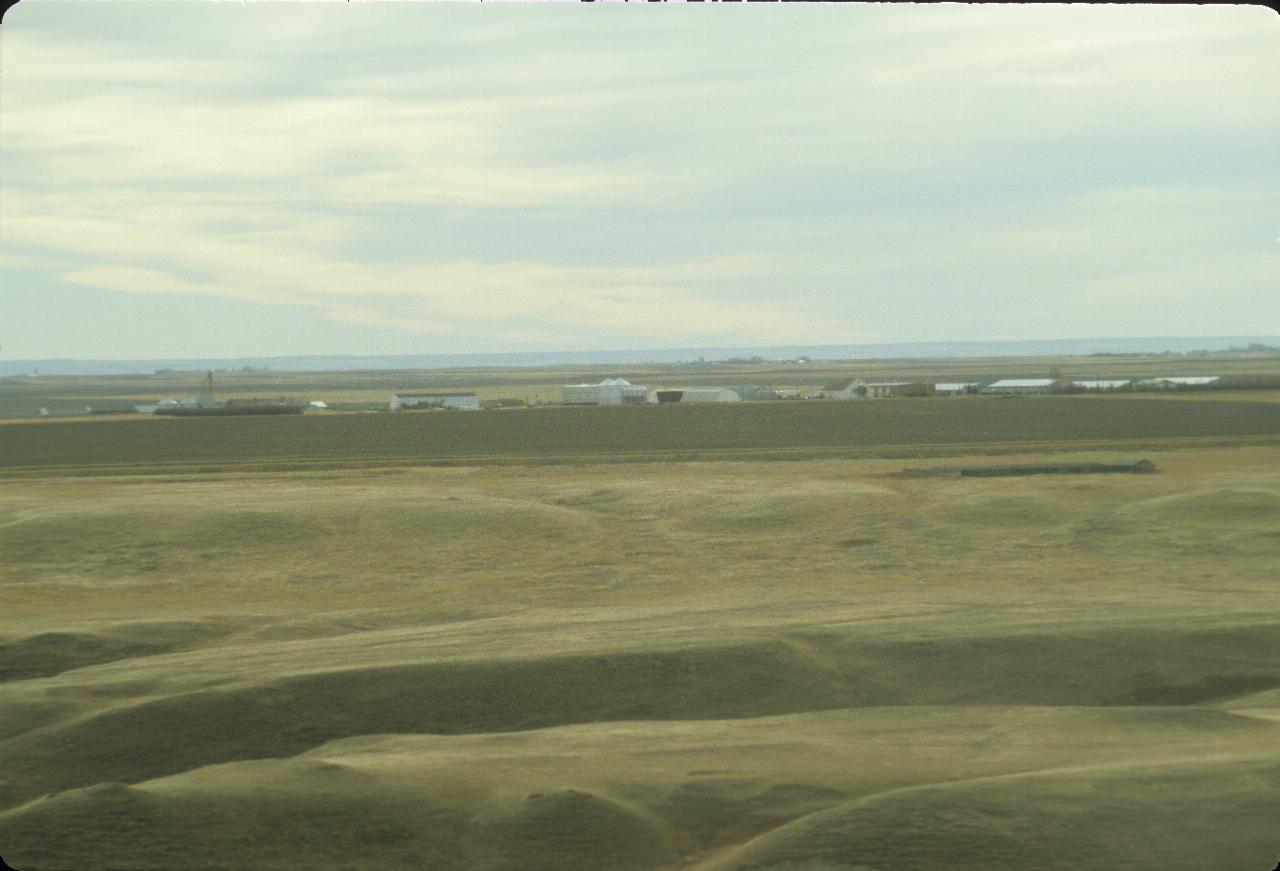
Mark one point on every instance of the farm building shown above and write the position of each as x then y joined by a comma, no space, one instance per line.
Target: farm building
955,388
1105,384
403,401
849,388
153,407
1176,383
610,391
694,394
203,399
1023,385
899,388
580,394
166,404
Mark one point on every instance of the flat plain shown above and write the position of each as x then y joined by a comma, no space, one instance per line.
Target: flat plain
651,638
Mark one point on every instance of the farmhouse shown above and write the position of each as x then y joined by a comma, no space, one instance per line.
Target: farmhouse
610,391
405,401
1023,385
849,388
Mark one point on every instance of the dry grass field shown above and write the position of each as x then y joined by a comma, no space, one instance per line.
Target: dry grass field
730,663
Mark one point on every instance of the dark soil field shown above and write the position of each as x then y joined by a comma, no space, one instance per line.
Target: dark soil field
655,431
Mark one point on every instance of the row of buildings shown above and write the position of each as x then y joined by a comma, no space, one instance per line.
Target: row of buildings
856,388
611,391
620,391
1062,385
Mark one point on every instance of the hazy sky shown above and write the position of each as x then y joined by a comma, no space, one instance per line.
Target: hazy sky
224,179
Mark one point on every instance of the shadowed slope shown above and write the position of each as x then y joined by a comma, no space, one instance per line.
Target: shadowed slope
614,795
1185,817
289,714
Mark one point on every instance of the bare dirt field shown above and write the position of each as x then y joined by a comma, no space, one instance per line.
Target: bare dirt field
721,664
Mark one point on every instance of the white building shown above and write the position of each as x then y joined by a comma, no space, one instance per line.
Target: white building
153,407
955,388
1175,382
1022,385
850,388
580,394
610,391
1104,384
617,391
464,401
694,394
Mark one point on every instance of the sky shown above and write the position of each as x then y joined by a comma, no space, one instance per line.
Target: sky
222,179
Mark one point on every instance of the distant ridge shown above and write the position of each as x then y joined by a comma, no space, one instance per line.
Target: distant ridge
880,351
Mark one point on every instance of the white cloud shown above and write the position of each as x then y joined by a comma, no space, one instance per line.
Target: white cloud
866,161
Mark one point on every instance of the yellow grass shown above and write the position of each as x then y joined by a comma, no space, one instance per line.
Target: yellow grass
715,665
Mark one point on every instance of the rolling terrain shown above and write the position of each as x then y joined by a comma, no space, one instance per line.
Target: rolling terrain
660,664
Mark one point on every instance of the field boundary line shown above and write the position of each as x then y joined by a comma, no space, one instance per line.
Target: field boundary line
906,451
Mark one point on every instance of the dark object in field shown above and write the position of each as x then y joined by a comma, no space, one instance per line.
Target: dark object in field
1132,466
